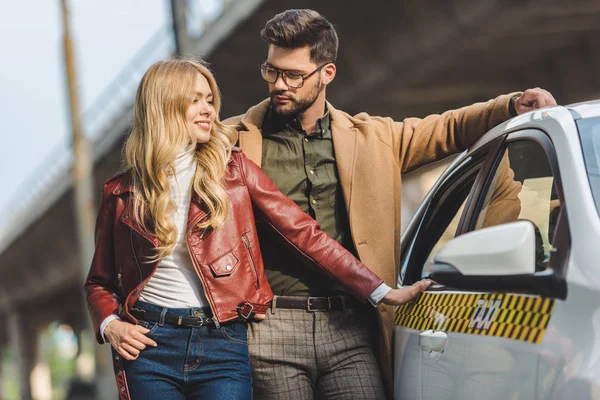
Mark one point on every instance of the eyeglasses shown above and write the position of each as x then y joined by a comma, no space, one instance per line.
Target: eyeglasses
292,79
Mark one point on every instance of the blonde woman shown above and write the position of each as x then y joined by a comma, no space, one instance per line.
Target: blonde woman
177,270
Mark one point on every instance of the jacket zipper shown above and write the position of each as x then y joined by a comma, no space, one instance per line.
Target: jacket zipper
247,243
119,282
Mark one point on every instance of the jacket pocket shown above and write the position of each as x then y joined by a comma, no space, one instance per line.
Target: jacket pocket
252,263
224,265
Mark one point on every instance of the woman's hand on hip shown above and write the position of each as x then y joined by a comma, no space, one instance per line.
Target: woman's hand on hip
396,297
127,339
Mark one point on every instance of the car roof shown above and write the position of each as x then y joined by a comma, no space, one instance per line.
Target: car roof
586,109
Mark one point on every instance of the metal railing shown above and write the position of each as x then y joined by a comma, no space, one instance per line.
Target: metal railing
105,121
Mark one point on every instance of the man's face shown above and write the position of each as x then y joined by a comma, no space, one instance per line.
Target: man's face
288,101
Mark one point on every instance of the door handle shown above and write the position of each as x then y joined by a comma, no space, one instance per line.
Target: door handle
433,342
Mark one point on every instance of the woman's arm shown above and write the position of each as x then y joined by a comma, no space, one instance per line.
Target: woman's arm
100,287
302,233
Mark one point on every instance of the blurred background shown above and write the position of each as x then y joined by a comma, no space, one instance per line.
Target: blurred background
68,74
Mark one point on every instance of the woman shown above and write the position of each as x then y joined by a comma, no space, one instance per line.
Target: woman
177,271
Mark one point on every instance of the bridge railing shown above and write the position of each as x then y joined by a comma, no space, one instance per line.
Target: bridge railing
104,122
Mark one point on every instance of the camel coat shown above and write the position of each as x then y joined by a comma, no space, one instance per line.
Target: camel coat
371,155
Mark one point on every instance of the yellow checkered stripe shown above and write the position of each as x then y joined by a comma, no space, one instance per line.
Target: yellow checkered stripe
502,315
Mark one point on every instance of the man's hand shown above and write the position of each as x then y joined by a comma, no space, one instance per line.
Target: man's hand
532,99
259,317
396,297
127,339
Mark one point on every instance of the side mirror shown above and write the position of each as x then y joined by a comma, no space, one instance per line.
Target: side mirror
501,250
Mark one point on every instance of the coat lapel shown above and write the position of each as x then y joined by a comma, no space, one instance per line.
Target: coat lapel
344,144
250,132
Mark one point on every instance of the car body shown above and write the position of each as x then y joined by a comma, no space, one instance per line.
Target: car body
511,234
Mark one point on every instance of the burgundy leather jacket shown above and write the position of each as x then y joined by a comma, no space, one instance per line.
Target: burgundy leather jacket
228,260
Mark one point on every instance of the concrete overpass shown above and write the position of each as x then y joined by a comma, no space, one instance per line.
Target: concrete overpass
398,59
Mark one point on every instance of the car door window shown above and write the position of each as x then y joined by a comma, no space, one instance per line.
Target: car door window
446,236
441,219
523,187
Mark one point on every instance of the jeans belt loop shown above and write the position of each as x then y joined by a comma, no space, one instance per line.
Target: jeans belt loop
161,320
343,300
273,304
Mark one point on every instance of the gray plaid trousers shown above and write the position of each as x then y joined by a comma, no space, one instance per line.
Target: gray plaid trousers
300,355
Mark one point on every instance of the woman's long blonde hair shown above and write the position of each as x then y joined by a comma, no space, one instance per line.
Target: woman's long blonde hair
160,132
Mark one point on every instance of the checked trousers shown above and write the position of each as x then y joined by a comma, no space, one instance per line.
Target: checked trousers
303,355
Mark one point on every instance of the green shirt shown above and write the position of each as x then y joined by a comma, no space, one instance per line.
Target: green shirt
303,168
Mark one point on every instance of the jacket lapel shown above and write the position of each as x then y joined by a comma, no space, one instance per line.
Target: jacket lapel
195,213
128,217
250,132
344,144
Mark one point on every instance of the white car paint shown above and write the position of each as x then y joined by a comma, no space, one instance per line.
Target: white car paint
566,364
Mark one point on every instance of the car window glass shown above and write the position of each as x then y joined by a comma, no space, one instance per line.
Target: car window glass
589,133
447,235
523,188
440,221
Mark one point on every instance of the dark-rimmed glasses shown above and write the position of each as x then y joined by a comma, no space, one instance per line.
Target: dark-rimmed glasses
292,79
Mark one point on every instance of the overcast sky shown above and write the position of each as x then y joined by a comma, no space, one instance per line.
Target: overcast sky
33,101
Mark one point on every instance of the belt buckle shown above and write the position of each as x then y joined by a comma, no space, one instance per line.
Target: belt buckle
308,305
245,310
191,322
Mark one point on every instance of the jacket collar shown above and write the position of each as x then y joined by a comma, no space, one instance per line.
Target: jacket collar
250,127
254,117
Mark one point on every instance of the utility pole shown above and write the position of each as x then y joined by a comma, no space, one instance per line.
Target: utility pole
84,204
183,42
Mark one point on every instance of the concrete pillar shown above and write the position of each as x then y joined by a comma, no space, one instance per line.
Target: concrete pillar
24,347
2,386
40,379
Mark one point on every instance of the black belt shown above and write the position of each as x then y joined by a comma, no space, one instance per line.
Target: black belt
179,320
334,303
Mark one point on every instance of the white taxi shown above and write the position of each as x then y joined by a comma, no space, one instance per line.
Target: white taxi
511,232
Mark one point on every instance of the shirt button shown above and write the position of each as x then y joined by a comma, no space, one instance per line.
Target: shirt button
313,202
228,268
306,139
312,172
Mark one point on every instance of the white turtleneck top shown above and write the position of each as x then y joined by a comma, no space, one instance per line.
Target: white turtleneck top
175,284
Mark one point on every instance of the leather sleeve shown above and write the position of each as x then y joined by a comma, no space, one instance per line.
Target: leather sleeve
100,288
303,234
421,141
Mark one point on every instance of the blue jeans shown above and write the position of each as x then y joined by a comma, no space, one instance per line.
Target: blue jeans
191,363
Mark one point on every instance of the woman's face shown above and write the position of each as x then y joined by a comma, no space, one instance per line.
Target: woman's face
201,112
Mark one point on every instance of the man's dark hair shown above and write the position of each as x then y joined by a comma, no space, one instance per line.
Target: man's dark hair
293,29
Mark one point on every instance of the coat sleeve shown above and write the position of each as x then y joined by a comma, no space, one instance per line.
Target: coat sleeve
421,141
100,288
303,234
504,205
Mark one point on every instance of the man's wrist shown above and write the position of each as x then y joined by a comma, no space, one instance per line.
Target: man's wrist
511,105
378,294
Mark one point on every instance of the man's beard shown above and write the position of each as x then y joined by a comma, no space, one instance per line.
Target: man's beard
296,106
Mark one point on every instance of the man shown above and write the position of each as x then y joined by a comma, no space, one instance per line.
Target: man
344,171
